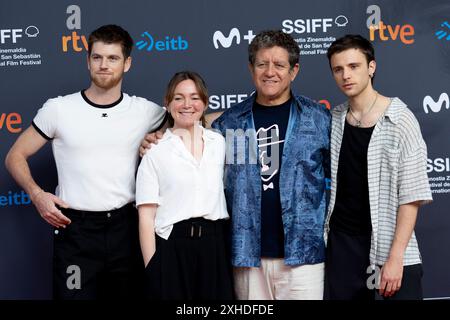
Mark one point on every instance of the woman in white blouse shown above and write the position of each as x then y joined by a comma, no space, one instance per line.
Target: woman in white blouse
181,202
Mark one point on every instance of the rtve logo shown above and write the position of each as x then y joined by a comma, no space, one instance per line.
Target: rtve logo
436,106
387,32
233,36
12,35
74,42
12,121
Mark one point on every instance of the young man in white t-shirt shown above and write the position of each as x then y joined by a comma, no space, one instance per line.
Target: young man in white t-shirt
95,136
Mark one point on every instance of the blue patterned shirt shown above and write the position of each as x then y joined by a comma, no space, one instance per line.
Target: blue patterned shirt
305,165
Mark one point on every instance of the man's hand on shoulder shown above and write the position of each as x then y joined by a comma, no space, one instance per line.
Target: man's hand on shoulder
149,139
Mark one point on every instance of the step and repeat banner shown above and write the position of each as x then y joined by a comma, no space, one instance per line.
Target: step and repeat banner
43,47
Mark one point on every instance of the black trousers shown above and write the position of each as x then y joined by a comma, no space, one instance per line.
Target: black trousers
192,264
346,276
98,256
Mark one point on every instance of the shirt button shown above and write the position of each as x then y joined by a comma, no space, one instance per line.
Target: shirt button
108,214
56,231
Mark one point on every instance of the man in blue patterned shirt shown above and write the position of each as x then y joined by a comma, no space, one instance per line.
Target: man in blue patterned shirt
277,161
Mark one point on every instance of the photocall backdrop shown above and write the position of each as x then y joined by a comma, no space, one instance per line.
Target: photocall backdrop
43,54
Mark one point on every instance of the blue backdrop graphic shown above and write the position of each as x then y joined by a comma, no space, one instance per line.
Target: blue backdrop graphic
43,55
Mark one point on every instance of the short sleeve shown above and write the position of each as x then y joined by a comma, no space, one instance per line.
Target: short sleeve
45,122
147,184
413,178
156,116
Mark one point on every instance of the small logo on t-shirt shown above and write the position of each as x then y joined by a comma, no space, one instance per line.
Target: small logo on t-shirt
104,115
269,138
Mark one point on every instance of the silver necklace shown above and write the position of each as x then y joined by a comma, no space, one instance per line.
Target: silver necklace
359,121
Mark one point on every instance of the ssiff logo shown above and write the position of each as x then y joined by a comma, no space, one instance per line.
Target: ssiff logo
16,57
311,26
436,106
439,165
13,35
225,101
74,41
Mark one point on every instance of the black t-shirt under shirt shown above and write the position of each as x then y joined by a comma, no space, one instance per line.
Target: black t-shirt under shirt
351,213
271,124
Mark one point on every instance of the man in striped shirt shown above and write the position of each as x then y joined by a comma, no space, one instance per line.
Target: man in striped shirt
379,180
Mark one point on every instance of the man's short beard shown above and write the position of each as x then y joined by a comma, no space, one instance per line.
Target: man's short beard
106,85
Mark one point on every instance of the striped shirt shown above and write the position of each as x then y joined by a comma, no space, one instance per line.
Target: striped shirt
396,169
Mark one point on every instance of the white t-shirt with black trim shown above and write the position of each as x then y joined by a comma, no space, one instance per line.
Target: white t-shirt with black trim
96,147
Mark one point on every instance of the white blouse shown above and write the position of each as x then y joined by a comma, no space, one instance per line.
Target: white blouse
182,187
